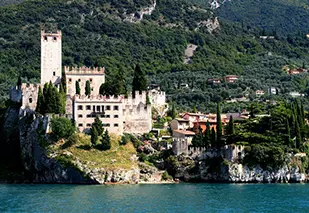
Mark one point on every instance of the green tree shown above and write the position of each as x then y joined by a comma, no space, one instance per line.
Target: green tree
139,80
63,83
94,136
40,106
105,141
87,88
298,136
148,100
172,112
231,127
213,138
207,135
219,125
62,128
77,88
97,124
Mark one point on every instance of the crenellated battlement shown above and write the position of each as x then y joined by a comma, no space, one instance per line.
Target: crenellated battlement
29,87
84,70
139,97
98,98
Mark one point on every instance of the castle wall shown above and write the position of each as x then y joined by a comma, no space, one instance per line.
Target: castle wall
95,76
29,96
137,115
51,58
180,146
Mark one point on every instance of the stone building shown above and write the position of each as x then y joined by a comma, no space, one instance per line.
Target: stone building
51,57
118,114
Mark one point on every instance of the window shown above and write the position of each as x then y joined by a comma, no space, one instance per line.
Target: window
102,116
70,80
107,116
78,80
88,107
102,108
116,116
30,100
55,38
116,108
80,125
98,108
80,107
88,125
106,125
90,80
108,107
89,116
45,38
80,116
93,108
115,125
54,73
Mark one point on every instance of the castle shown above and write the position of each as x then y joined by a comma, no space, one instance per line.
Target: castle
119,114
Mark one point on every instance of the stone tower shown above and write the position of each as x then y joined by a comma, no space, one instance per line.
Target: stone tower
51,60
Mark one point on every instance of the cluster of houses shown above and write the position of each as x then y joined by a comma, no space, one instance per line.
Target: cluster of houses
188,125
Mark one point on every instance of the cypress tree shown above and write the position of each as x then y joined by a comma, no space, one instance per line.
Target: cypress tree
119,83
219,124
231,128
94,136
288,132
139,80
40,102
207,135
87,88
19,82
97,124
213,137
63,82
106,143
148,100
298,136
77,88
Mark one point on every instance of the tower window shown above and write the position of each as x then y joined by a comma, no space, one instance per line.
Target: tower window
70,80
55,38
54,73
30,100
90,80
45,38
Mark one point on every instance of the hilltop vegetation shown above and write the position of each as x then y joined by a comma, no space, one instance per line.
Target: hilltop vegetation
283,16
95,33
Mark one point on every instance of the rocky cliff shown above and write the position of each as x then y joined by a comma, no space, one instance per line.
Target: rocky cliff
219,170
40,164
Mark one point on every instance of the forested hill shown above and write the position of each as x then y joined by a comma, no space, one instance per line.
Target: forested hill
101,33
283,16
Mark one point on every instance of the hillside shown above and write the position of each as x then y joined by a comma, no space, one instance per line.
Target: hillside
105,33
283,16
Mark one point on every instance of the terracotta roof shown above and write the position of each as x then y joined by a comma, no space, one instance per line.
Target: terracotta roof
184,132
181,120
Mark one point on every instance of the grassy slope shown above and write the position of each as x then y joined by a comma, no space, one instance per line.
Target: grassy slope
118,157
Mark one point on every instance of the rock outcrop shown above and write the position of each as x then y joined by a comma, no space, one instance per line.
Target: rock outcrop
188,169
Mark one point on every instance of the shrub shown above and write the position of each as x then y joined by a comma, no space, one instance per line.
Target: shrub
62,128
166,176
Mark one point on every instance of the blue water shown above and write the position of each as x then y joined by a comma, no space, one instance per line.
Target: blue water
156,198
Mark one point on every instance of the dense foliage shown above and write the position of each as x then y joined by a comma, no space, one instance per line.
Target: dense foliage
62,128
95,34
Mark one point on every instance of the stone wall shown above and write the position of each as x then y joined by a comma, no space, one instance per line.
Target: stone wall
95,76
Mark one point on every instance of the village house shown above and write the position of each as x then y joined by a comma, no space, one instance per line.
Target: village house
231,78
259,93
214,80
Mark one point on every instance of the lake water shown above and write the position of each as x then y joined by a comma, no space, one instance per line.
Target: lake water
156,198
